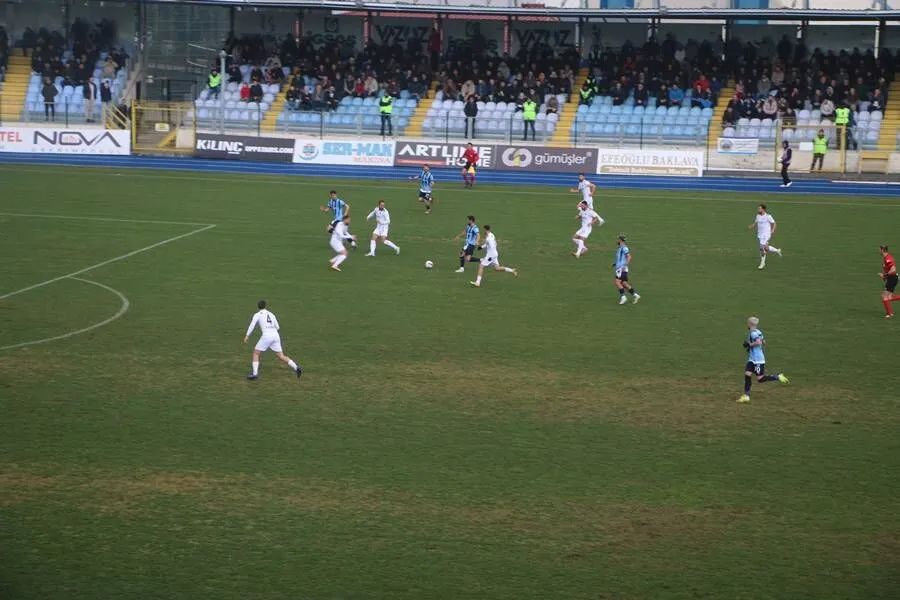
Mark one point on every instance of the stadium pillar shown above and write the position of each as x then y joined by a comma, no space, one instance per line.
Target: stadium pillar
507,35
880,37
579,36
67,20
231,11
653,28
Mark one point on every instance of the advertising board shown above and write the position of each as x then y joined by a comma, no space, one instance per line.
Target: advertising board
333,152
540,158
737,145
59,140
243,147
670,163
437,154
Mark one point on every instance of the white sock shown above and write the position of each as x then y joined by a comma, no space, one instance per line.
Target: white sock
255,366
478,279
371,246
339,259
292,364
390,245
508,269
580,243
774,249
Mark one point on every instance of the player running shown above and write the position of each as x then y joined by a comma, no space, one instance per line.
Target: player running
470,160
587,190
622,265
765,228
340,233
382,225
269,339
588,219
426,184
491,257
756,360
889,276
473,240
337,207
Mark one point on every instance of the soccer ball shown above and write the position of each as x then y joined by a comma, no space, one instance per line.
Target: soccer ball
429,264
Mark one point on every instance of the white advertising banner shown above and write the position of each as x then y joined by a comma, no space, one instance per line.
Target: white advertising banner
60,140
327,152
669,163
738,145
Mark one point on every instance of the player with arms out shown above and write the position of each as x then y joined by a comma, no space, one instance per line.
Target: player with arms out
473,240
337,207
756,360
491,258
765,228
269,339
340,233
382,225
587,189
588,219
426,185
470,163
889,276
622,265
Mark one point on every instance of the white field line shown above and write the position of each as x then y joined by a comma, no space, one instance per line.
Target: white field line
122,310
106,219
654,194
107,262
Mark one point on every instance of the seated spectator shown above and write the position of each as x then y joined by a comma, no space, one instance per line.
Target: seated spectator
852,100
274,75
350,86
256,92
359,90
619,94
292,97
245,92
234,74
110,68
482,90
552,106
371,85
789,118
273,62
586,94
393,89
330,98
701,98
503,94
467,89
256,74
676,95
778,74
795,99
764,85
662,97
770,107
876,100
730,118
640,95
702,83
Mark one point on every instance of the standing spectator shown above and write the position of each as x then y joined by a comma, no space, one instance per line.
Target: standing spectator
435,46
386,107
109,68
785,160
471,111
529,114
90,96
586,94
820,146
215,83
105,97
49,93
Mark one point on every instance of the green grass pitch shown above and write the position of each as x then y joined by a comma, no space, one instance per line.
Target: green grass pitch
529,439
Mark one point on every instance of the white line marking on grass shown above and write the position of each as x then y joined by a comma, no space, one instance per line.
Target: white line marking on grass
107,262
106,219
122,310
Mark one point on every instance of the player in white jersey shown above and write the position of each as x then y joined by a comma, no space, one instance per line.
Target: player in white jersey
339,235
765,227
269,339
587,190
382,225
491,257
588,219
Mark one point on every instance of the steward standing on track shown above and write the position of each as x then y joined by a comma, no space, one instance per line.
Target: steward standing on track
529,114
820,147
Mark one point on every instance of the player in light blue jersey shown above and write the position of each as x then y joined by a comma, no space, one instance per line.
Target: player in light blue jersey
473,240
338,209
622,265
755,343
426,184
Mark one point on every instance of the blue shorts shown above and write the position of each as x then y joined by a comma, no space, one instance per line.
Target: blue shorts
424,195
758,369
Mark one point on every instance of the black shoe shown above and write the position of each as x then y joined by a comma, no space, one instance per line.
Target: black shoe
299,370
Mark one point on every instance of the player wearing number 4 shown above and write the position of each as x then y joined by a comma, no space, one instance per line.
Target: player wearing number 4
383,223
765,228
756,360
269,339
622,264
340,234
491,258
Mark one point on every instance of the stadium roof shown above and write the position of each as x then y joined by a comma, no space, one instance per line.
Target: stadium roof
780,14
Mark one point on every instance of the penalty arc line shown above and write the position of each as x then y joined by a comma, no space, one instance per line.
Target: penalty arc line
106,262
122,310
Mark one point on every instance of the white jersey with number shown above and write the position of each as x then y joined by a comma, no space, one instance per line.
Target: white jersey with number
268,327
382,219
490,246
339,235
585,188
764,225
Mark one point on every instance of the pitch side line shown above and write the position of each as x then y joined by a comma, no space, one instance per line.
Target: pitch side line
107,262
122,310
105,219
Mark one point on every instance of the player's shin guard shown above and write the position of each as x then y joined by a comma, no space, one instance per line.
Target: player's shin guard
888,310
339,259
371,246
254,365
748,382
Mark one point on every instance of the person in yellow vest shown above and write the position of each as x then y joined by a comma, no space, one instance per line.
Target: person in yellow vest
386,106
586,94
842,119
529,114
820,147
215,83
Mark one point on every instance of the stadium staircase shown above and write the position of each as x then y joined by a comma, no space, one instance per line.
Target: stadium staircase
878,159
269,120
417,119
562,135
715,123
15,88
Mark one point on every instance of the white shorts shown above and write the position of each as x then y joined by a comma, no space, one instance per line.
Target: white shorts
590,202
269,342
381,230
763,241
490,261
584,233
337,247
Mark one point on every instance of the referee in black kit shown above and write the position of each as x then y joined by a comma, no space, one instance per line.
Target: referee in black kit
785,161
